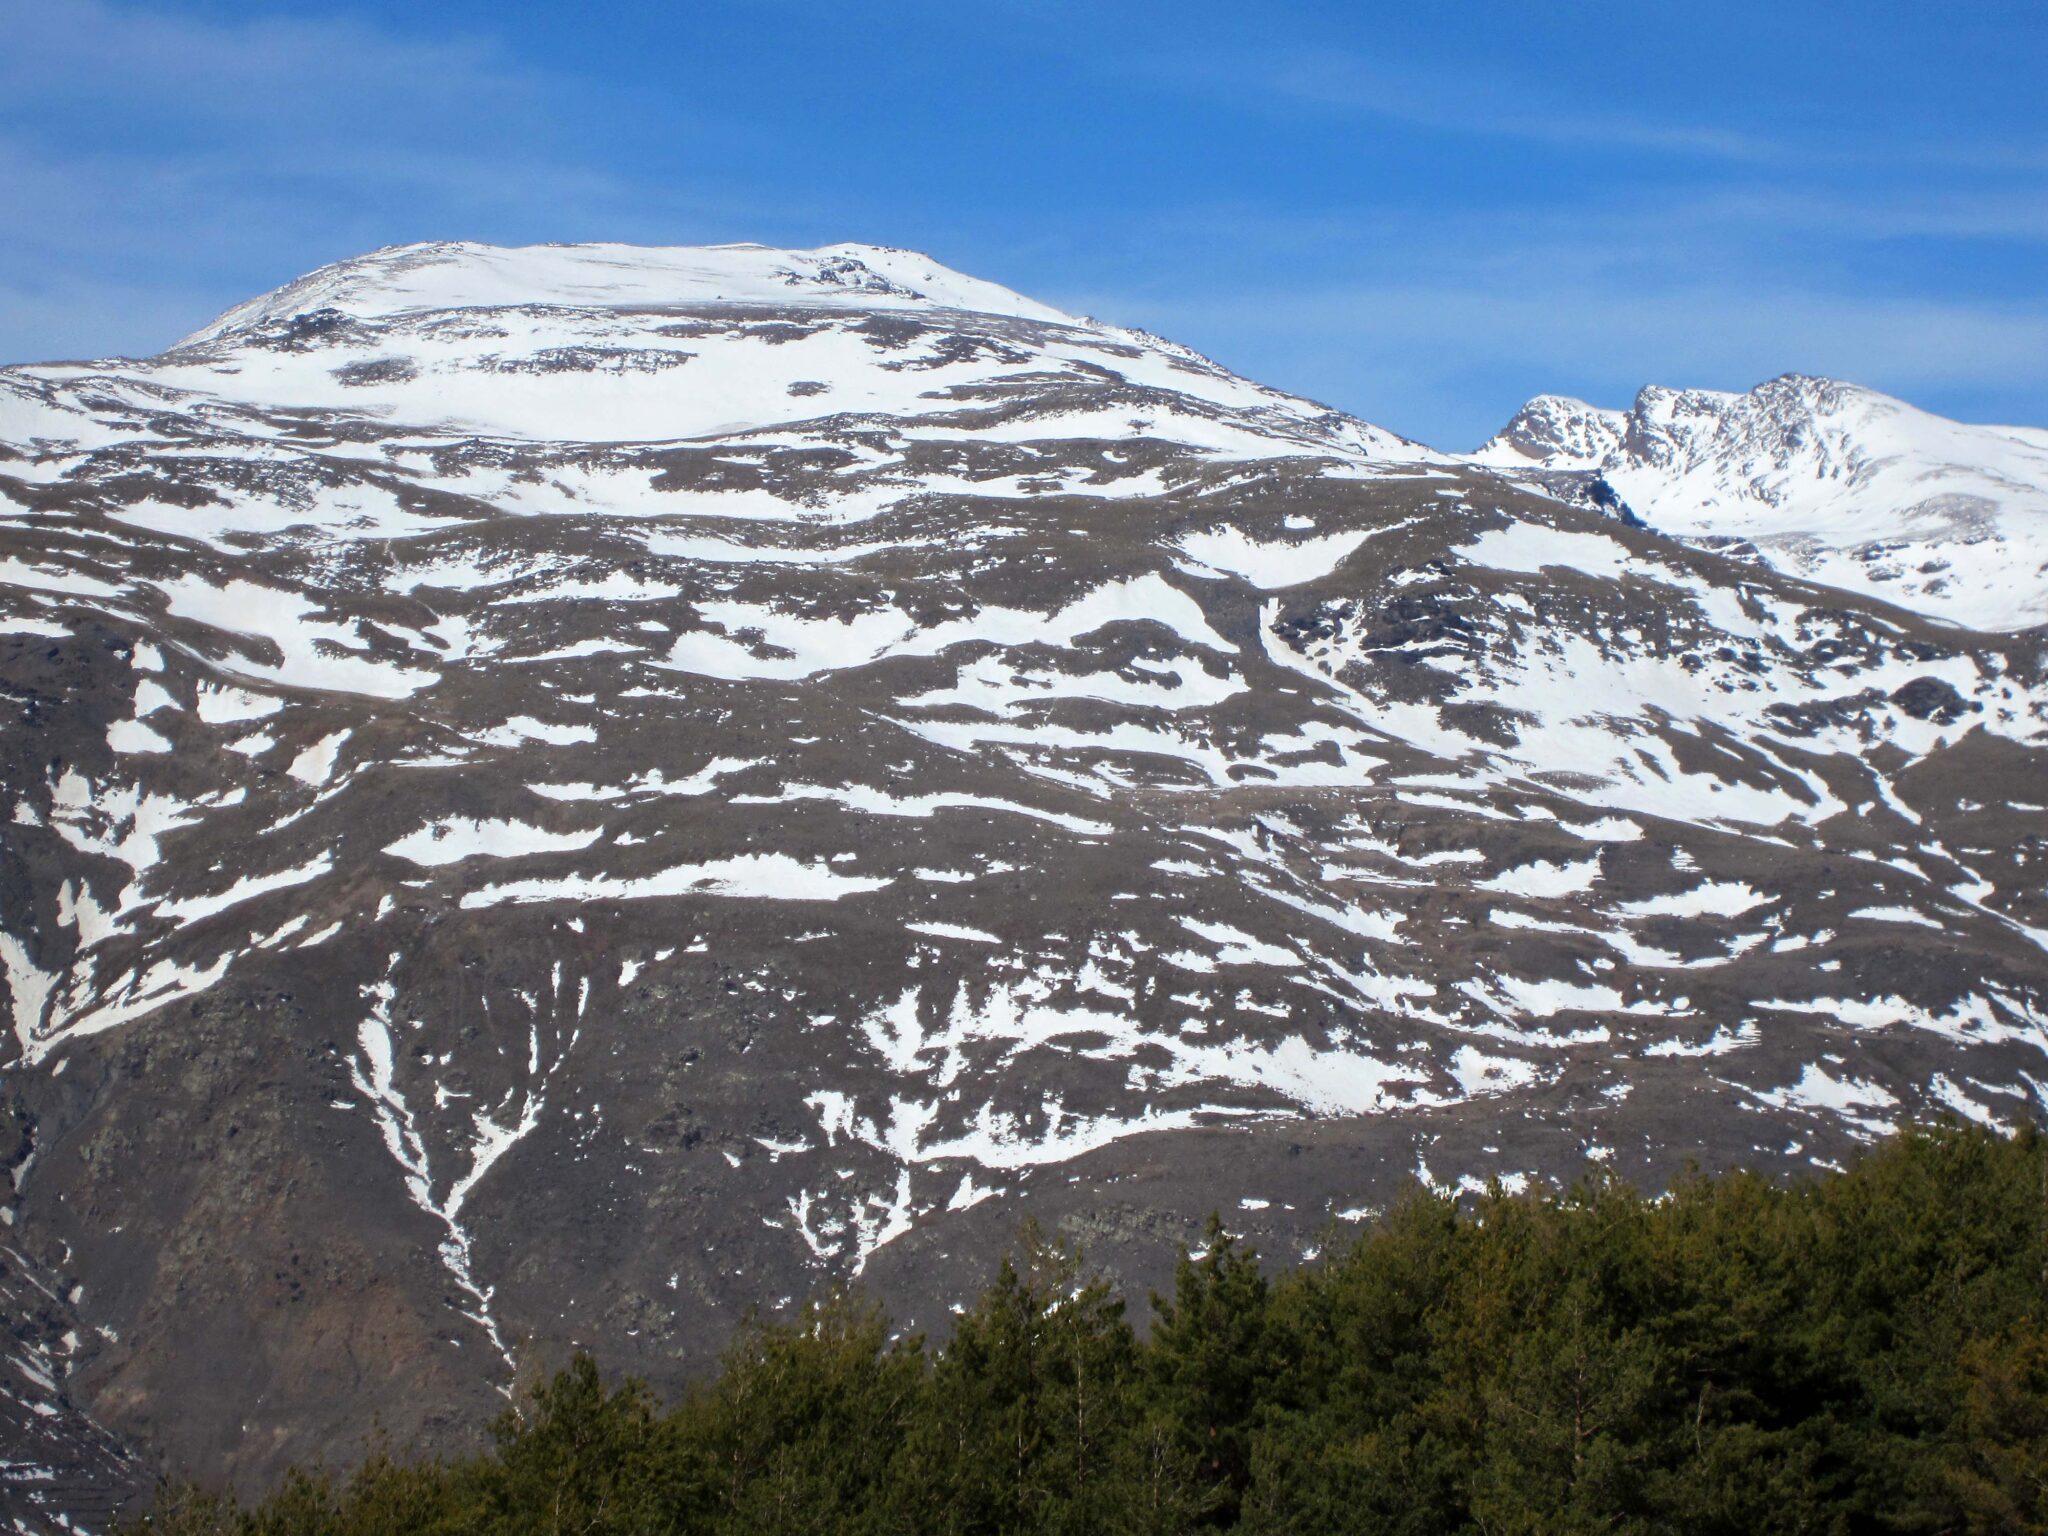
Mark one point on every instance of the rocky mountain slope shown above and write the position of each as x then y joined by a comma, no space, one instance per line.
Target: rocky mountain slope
554,796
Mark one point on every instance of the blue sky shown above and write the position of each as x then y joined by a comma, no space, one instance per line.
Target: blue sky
1420,213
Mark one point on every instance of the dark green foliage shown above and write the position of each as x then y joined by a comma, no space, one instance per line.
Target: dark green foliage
801,1430
1863,1352
1035,1415
1212,1361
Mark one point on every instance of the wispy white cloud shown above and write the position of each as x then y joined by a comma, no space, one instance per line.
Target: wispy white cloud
323,72
1467,100
2011,213
196,161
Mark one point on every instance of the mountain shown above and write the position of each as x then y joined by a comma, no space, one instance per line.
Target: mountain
1841,485
555,796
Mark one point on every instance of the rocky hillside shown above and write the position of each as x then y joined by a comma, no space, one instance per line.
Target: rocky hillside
552,797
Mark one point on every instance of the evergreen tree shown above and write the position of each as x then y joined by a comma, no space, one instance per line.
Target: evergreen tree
1033,1423
1356,1435
579,1462
801,1430
1212,1362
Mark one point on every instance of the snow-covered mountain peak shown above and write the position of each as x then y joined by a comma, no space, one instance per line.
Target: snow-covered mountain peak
1556,432
620,343
1685,427
455,274
1826,479
1792,426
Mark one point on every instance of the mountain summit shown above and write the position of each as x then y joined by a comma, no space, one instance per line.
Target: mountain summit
554,797
456,274
583,343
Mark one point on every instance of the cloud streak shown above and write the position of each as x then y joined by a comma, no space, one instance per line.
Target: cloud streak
323,73
173,165
1469,102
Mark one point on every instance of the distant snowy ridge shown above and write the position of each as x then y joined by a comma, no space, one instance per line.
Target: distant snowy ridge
1830,481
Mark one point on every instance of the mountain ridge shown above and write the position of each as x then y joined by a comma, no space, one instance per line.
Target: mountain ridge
1825,479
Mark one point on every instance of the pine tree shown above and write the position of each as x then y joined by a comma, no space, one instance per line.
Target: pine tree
801,1430
1212,1362
578,1462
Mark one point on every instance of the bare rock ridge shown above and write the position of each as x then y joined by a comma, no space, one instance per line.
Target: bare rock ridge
551,796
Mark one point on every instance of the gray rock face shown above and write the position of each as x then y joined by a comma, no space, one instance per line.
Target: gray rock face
552,797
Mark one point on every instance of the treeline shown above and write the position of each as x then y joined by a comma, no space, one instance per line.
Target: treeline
1865,1351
